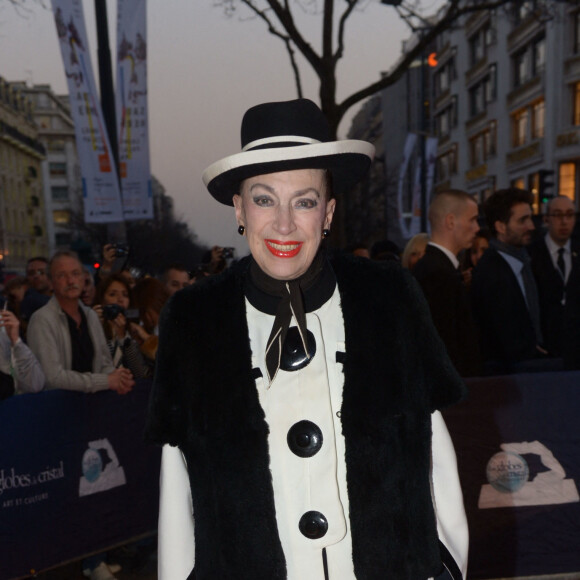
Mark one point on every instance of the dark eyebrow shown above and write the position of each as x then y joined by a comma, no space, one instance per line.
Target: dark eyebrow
295,194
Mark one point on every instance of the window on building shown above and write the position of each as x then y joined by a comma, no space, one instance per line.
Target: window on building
576,104
57,169
479,42
444,76
538,119
529,61
447,164
61,217
520,127
523,9
567,180
538,56
59,193
446,119
521,67
55,145
476,49
483,145
482,93
519,182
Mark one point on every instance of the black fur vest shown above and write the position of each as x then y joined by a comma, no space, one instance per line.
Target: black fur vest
396,372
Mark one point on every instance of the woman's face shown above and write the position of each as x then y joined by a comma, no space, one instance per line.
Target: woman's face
284,215
477,249
117,293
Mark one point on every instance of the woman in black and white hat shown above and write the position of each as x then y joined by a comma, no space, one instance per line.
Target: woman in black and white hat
297,412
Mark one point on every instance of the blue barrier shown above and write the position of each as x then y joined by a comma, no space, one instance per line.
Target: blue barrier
517,440
75,476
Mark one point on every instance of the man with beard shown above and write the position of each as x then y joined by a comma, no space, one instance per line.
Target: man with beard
556,266
504,293
68,339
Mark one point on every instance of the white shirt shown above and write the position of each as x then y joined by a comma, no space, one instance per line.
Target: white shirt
447,252
553,248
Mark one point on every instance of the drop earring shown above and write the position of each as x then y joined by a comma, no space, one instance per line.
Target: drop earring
241,230
325,233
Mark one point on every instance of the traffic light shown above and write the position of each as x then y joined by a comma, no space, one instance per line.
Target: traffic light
545,185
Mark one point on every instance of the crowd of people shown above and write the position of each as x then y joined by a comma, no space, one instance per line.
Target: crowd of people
504,297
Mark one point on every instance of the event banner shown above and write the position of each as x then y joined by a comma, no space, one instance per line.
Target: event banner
76,476
132,113
414,225
517,440
101,194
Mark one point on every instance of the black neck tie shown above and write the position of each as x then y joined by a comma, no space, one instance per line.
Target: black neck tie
561,263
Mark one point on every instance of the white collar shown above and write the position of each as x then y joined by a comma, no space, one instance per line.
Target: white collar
553,247
448,253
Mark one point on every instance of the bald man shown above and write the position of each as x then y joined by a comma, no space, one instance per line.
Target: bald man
556,267
453,218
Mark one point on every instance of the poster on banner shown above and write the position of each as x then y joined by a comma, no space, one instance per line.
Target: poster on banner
516,438
101,193
132,109
74,478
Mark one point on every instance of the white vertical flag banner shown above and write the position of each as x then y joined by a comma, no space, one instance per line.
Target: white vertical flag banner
413,228
132,111
101,195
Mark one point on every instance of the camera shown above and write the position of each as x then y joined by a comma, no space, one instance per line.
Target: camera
121,250
228,253
111,311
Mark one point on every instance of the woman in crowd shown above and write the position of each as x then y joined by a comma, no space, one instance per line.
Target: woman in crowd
113,301
414,250
473,255
20,371
149,297
293,389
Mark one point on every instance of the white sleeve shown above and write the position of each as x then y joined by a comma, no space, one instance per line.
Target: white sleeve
176,549
447,495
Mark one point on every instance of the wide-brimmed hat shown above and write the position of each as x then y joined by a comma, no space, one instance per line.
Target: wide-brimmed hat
284,136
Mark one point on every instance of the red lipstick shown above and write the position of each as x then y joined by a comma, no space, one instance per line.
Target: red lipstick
280,249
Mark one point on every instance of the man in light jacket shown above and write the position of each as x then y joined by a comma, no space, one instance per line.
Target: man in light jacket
68,339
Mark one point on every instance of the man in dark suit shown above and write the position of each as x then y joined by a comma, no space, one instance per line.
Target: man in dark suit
453,219
556,267
504,294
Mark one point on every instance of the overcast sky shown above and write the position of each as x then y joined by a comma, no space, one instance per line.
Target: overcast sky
205,71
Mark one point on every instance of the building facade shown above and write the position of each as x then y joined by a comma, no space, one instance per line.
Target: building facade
61,172
506,103
22,214
503,102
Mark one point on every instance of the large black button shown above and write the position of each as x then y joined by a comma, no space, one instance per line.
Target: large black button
304,438
313,525
293,356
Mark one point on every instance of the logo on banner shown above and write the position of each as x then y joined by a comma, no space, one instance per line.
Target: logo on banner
515,481
101,469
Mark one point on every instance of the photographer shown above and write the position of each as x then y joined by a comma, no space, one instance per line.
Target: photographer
115,257
216,259
113,301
